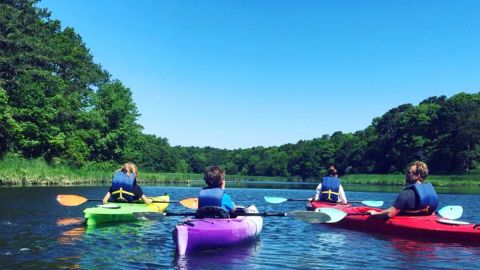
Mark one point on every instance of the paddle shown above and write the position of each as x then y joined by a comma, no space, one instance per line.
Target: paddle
306,216
449,212
281,200
75,200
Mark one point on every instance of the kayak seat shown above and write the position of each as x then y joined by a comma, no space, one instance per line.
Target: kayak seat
239,210
211,212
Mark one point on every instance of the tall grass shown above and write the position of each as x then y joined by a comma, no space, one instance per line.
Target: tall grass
399,179
15,170
19,171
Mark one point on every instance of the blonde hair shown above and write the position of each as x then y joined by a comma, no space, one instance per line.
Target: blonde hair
421,169
133,168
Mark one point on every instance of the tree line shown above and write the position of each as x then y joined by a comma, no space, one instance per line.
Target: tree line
58,104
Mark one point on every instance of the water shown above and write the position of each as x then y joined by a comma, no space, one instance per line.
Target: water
38,233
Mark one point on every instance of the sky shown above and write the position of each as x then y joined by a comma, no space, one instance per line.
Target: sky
239,74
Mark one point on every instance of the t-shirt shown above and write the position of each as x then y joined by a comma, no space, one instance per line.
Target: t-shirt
406,200
227,202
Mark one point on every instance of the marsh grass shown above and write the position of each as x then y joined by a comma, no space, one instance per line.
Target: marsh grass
19,171
15,170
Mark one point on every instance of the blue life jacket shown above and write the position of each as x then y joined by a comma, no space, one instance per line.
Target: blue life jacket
210,197
122,187
426,199
330,188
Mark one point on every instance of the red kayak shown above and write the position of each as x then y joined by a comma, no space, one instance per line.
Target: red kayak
430,227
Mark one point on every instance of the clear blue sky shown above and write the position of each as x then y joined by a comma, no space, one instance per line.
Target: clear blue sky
237,74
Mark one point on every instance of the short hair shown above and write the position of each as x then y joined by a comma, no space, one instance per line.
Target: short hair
420,169
214,176
332,171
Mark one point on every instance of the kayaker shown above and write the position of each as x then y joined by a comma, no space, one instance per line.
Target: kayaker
213,199
124,186
417,198
330,189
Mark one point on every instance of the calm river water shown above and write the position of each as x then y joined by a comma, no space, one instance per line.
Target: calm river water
37,233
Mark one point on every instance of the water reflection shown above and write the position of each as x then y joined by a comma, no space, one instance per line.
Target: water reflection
225,258
69,221
71,236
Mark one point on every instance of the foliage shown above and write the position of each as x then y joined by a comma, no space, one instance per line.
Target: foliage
58,105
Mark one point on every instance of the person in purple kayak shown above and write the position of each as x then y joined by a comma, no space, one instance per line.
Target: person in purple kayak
417,198
212,200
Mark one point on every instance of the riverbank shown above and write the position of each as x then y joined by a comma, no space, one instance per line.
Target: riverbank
22,172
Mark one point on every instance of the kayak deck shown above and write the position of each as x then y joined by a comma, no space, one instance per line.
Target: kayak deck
208,233
120,212
430,227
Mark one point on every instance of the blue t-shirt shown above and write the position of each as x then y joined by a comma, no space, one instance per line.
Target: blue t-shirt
227,202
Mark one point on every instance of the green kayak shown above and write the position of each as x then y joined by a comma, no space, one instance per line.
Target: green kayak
119,212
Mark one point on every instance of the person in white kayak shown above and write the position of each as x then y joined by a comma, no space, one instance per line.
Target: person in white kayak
330,189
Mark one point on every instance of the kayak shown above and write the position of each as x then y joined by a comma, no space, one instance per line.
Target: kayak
119,212
201,234
431,227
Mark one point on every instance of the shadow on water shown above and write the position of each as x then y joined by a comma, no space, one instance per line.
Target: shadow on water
223,258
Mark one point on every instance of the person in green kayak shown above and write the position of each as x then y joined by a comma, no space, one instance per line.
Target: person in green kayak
124,186
330,189
212,200
417,198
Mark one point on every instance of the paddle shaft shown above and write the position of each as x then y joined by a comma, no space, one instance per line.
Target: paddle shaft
304,200
99,200
264,214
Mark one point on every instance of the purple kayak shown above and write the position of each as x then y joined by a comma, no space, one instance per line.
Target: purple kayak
200,234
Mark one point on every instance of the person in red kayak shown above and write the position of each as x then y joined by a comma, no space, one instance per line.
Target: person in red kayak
417,198
124,186
330,189
213,201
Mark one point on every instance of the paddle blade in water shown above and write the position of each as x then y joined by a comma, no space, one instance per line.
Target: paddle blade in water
275,199
191,203
451,211
70,200
373,203
334,214
309,216
452,222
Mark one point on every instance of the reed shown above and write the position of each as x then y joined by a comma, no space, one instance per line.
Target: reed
19,171
15,170
399,179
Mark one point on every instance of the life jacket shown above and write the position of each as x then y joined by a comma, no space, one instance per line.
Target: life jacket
330,188
122,187
210,197
426,199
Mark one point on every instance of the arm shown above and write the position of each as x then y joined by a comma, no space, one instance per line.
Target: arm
228,203
146,199
318,191
342,196
386,214
106,197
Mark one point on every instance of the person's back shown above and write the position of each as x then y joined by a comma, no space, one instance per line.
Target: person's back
330,188
213,197
417,199
124,186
